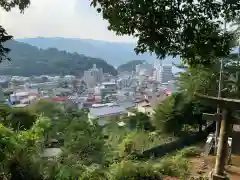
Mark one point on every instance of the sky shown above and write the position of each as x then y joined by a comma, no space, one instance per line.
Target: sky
59,18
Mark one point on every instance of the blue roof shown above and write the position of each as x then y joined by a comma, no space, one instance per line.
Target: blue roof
107,111
127,104
10,103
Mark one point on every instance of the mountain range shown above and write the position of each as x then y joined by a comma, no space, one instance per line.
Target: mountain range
114,53
28,60
130,66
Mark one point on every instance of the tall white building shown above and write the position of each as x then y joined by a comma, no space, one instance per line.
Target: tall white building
167,73
158,75
163,74
93,76
124,82
157,64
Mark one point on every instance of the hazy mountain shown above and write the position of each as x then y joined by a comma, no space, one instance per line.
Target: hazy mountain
129,66
113,52
27,60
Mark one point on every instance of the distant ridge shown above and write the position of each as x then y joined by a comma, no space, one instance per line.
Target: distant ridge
115,53
129,66
28,60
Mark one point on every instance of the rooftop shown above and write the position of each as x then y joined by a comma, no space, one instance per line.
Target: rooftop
20,105
107,111
108,83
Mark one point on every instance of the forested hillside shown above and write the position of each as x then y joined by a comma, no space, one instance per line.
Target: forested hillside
129,66
27,60
115,53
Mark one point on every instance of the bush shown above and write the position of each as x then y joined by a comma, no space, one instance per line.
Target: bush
179,114
130,170
20,119
139,121
94,174
166,117
137,142
177,165
190,152
173,166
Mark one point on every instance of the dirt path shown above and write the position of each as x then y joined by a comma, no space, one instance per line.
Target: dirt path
203,165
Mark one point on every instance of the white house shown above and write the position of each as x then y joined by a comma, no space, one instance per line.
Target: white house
103,114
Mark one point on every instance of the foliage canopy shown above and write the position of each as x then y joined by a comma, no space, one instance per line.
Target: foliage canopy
188,28
129,66
7,6
28,60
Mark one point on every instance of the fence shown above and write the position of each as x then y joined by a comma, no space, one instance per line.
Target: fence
167,148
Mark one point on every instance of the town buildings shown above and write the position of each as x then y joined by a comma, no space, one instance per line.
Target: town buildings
163,74
93,76
107,98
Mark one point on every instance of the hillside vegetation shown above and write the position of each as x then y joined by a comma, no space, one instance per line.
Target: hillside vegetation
27,60
129,66
115,53
85,151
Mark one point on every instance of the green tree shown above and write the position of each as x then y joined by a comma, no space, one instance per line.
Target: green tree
165,117
49,61
191,29
20,119
177,111
5,111
3,38
8,5
94,174
204,80
135,142
75,83
129,170
231,75
20,150
198,79
139,121
46,107
85,141
129,66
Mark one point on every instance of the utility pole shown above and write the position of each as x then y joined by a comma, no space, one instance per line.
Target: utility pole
237,73
219,95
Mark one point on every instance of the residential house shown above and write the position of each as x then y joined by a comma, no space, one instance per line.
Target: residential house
104,113
147,106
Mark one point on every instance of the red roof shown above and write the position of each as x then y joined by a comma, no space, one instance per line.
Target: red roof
60,99
168,92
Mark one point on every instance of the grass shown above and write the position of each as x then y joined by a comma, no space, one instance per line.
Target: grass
139,141
190,152
125,142
176,166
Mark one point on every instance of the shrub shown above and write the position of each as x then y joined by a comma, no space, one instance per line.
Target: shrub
190,152
138,141
173,166
94,174
130,170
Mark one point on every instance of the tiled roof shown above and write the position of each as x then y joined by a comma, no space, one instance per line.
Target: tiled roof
60,99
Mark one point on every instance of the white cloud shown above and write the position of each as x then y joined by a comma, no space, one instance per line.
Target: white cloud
58,18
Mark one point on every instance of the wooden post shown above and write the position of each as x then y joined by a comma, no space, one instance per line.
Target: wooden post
226,124
212,143
222,150
218,117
